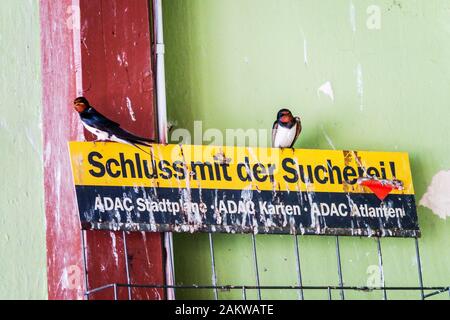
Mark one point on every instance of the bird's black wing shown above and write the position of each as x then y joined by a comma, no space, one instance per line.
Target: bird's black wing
299,130
128,136
274,131
95,119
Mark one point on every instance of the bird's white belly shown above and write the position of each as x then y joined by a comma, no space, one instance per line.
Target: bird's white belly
104,136
101,135
284,137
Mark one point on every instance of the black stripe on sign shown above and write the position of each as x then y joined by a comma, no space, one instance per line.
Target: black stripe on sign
237,211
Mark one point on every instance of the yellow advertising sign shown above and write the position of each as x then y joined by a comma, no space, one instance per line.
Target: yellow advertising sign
266,172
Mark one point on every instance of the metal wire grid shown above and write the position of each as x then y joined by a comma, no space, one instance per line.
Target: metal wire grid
258,287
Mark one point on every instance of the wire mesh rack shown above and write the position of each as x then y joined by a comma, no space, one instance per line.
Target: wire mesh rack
424,292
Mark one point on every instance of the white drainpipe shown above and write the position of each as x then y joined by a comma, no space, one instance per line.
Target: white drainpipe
160,74
162,130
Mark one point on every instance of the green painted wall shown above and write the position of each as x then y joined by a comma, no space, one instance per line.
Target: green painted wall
233,63
22,219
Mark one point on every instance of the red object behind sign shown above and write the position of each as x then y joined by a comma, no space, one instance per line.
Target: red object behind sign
381,188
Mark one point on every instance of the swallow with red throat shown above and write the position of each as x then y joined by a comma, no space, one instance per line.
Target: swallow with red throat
285,130
105,129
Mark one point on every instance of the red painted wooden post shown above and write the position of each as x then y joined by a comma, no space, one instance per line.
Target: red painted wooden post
60,124
115,68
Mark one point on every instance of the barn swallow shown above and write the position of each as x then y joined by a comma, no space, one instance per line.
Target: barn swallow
103,128
285,130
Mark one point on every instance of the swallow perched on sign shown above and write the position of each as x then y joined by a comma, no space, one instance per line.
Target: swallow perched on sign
285,130
103,128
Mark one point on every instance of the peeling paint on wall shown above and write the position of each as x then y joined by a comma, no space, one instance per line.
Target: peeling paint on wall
33,143
130,109
352,12
305,51
327,90
437,197
327,137
114,247
4,126
360,86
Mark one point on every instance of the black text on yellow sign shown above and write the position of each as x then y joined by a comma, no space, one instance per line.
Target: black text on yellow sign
111,164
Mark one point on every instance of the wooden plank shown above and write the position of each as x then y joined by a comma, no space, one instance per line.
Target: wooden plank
60,124
112,56
118,81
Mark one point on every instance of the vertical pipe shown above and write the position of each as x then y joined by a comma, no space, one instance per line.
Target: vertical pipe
213,266
77,50
127,266
161,103
86,282
419,267
299,270
244,293
115,292
255,259
329,294
338,255
381,269
170,267
160,74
